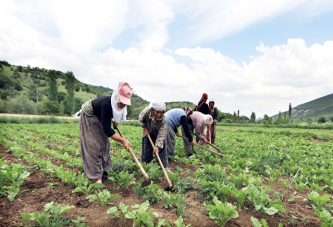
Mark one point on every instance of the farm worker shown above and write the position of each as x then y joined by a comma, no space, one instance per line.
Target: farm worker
213,113
199,122
202,105
95,130
175,118
153,122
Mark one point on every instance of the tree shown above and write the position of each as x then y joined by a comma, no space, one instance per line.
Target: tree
21,105
290,110
321,120
70,86
253,117
78,103
52,85
129,111
50,107
285,117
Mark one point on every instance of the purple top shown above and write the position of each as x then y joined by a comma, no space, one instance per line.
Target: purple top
198,123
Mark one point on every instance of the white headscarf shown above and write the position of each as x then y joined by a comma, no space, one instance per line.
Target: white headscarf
208,119
160,106
118,114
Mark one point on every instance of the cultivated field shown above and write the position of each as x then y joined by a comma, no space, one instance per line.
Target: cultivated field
267,177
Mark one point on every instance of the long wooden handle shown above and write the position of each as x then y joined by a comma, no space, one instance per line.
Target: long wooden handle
145,175
213,152
161,164
205,147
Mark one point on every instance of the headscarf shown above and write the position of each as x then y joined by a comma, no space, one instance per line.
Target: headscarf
188,111
118,114
208,119
203,100
160,106
125,93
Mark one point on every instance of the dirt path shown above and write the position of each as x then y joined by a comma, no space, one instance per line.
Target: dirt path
31,116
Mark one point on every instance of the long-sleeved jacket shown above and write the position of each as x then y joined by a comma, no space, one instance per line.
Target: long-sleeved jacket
198,123
156,128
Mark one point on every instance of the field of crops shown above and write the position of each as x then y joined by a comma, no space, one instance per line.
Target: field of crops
267,177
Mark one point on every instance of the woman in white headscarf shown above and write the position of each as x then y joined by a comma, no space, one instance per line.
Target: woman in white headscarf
201,122
154,124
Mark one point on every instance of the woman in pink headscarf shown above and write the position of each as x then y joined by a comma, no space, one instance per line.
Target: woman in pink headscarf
95,130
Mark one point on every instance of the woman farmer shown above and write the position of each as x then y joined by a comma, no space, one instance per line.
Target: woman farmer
213,113
200,123
202,105
95,130
175,118
153,123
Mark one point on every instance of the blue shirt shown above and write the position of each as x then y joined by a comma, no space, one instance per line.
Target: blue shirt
173,117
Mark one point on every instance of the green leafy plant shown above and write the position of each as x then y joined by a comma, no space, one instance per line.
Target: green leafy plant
324,216
221,212
52,215
122,179
240,196
318,200
180,222
175,201
152,193
88,189
185,184
137,212
261,223
261,201
11,179
103,197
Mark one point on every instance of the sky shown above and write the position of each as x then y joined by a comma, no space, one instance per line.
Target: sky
248,55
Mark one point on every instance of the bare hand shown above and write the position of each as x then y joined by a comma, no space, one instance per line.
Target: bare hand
126,144
178,134
156,150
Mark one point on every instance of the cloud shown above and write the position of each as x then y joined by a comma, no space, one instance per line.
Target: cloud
79,37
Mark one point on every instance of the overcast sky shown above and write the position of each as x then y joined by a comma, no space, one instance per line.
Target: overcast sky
248,55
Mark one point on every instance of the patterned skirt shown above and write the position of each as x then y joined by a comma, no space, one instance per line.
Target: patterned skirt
95,147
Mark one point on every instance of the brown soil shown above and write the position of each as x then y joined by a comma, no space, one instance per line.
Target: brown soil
39,189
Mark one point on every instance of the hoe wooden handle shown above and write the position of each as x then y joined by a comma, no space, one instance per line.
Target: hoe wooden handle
145,175
161,164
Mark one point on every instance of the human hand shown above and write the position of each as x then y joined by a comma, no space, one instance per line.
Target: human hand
155,150
178,134
126,144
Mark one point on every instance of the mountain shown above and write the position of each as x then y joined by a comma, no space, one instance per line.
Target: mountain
321,107
32,83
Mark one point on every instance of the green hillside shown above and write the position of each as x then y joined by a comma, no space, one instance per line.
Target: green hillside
321,107
31,83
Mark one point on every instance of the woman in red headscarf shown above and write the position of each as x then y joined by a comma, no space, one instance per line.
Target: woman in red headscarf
202,105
